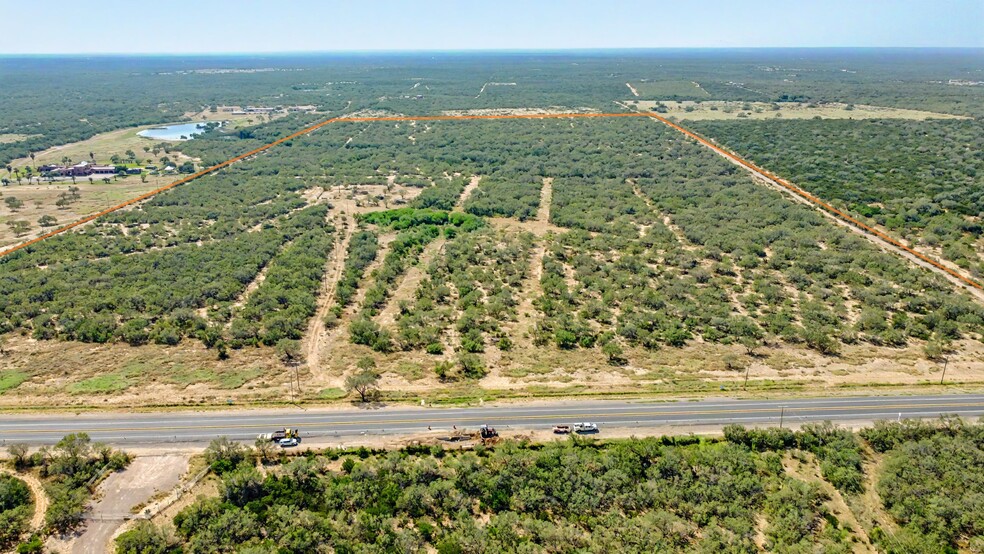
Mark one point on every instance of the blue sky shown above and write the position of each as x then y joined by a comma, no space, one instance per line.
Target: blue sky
183,26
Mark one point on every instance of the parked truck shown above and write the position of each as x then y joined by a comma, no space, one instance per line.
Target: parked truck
277,436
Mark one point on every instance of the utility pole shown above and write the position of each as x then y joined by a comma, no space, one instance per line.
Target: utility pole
945,361
782,412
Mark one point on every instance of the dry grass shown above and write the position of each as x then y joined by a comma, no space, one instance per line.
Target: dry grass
723,110
7,138
39,200
77,374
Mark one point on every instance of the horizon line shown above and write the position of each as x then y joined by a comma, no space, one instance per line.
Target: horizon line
389,51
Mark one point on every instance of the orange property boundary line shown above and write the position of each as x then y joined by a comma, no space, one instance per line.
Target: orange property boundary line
282,140
818,202
730,155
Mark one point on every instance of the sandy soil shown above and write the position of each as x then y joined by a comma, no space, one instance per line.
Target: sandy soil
725,110
633,89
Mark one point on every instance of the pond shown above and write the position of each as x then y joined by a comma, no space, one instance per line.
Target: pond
178,131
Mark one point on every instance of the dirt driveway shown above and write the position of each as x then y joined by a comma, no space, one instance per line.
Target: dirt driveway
120,492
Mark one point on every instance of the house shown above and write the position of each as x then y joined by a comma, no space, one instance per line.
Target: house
81,169
134,170
103,169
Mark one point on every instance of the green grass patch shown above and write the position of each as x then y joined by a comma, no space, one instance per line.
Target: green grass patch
120,380
12,380
410,371
333,393
108,383
238,378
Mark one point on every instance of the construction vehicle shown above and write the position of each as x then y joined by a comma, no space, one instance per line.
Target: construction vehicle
489,435
284,433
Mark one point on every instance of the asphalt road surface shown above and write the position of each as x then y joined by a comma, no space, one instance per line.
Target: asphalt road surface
200,427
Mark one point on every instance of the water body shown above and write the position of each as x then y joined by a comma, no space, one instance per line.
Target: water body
179,131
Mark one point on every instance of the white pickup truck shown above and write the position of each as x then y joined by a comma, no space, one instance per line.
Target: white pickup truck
584,428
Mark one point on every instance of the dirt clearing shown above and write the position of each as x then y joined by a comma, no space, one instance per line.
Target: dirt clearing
120,493
549,110
721,110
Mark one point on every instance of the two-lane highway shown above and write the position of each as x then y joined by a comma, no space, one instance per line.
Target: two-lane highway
201,427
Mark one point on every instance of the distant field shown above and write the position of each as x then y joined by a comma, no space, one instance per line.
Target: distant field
717,110
13,137
40,200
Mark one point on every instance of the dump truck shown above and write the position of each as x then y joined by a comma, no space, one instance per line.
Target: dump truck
284,433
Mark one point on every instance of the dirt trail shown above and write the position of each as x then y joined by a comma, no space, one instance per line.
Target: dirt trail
872,505
876,237
809,472
531,285
415,273
121,492
761,524
37,491
333,273
632,88
411,280
546,197
469,188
